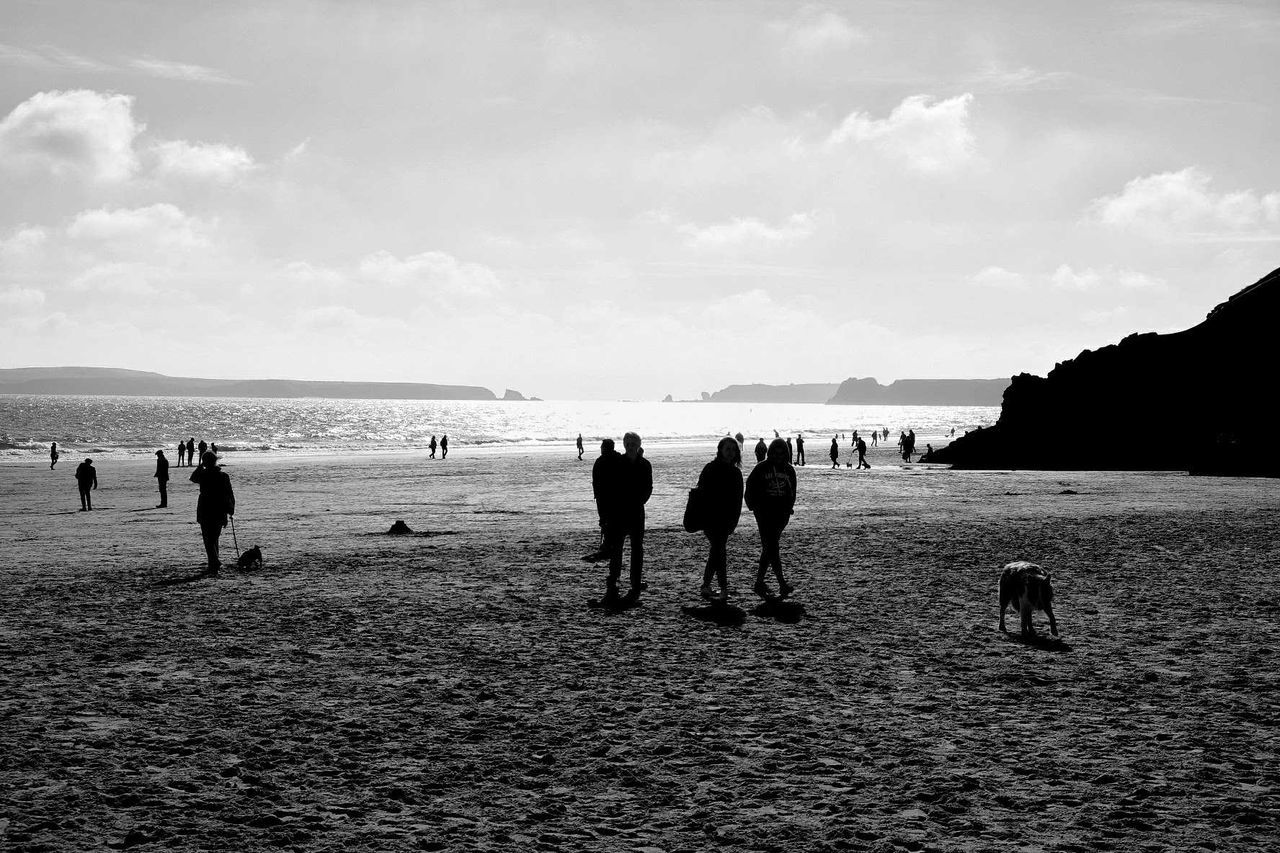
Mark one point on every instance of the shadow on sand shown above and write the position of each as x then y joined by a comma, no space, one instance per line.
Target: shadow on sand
1040,641
614,605
789,612
198,576
721,613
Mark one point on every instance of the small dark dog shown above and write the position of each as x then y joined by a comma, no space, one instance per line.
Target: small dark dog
1027,587
252,559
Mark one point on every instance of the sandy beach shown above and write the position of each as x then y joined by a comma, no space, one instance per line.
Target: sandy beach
451,690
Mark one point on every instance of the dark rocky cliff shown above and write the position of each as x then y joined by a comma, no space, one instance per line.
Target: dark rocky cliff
1197,400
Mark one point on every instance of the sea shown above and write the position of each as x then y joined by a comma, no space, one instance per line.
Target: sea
138,426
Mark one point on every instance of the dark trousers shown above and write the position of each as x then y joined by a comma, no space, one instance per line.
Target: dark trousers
164,493
717,558
209,532
615,531
771,526
86,502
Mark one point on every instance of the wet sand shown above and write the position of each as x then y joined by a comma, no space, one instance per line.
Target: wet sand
452,691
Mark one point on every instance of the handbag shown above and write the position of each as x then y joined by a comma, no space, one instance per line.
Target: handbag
695,511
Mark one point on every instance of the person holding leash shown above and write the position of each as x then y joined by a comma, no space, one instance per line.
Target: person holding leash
217,502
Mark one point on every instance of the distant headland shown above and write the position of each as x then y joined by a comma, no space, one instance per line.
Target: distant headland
869,392
110,381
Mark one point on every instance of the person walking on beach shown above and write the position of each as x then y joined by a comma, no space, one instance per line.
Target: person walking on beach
720,484
862,452
444,447
162,479
217,502
835,453
761,451
771,495
432,445
579,447
86,480
53,455
800,448
191,452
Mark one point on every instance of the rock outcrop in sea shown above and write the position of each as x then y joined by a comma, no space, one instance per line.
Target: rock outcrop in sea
1198,400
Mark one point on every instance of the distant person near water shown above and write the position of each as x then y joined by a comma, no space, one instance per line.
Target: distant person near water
761,451
182,452
875,438
191,452
721,486
213,445
741,440
203,448
580,449
444,447
800,448
216,504
432,445
862,452
771,495
53,455
162,479
622,484
86,480
835,453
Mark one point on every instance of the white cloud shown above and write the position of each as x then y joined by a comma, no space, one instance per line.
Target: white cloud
222,164
116,279
815,31
1180,204
69,133
21,298
136,232
927,137
431,274
182,71
998,278
1108,277
48,56
749,231
25,243
995,76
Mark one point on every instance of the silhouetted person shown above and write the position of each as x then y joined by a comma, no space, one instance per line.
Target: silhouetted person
182,452
741,440
432,444
444,447
53,455
928,453
86,480
213,445
902,447
721,486
885,434
191,451
605,479
862,452
203,448
835,453
580,449
162,479
771,495
761,451
911,444
791,453
631,484
875,437
800,449
217,502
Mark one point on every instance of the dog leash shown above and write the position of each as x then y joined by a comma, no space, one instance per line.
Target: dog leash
232,519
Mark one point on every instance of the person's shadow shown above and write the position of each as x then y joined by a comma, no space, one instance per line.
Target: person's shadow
788,612
1042,642
721,613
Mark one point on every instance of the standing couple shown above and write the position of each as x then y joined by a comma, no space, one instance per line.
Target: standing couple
622,483
770,493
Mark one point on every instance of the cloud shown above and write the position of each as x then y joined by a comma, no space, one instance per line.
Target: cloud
25,243
998,278
138,232
1171,205
1108,277
431,275
223,164
183,71
813,31
996,77
117,279
21,298
71,133
48,56
927,137
749,231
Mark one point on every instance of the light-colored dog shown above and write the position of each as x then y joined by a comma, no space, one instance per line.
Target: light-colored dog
1027,587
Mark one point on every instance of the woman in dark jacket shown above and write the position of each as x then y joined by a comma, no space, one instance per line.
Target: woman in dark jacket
721,487
771,495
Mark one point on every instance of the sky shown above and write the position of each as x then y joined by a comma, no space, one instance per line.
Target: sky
623,200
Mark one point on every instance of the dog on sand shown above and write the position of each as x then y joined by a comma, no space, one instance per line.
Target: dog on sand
250,559
1028,588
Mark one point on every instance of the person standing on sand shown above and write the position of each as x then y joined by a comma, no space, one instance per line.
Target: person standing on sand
191,452
580,447
862,453
162,479
86,480
721,486
771,495
202,447
628,483
53,455
605,478
217,502
835,453
432,445
444,447
182,453
800,448
761,451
